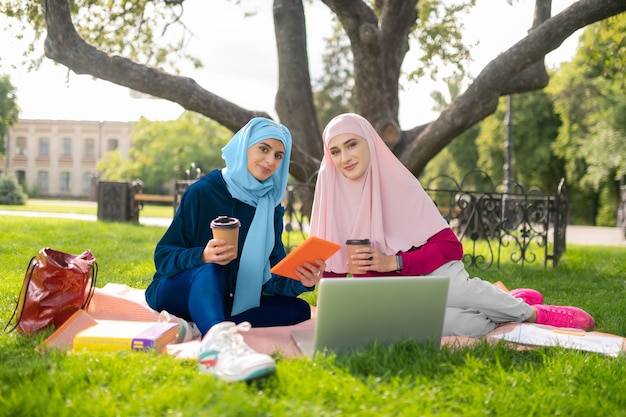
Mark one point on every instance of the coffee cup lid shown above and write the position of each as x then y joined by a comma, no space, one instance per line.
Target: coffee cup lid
357,242
225,222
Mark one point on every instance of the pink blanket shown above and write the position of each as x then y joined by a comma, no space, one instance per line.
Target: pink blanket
120,302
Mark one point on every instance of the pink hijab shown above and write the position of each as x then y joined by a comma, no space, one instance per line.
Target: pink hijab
387,204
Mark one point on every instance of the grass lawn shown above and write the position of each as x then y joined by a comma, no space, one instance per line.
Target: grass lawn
85,207
402,380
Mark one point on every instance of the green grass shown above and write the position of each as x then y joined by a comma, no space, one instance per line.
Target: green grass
85,207
402,380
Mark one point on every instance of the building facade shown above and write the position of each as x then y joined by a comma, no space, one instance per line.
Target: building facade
59,158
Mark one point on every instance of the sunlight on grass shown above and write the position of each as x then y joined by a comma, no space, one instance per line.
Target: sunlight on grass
85,207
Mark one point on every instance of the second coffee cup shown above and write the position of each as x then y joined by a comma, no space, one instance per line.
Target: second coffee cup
353,245
226,228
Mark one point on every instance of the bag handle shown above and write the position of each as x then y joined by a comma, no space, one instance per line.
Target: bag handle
21,301
92,286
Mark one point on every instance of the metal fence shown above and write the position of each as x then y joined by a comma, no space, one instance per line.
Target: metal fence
298,201
526,225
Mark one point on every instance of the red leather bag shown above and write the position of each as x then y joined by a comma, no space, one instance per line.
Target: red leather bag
56,285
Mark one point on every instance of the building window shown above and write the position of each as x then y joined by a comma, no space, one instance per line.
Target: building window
44,147
67,147
42,180
112,144
21,177
20,146
88,178
90,147
65,181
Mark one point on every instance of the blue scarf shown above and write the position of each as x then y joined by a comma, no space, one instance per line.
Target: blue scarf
254,263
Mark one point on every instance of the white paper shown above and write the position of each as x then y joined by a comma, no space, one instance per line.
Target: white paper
528,334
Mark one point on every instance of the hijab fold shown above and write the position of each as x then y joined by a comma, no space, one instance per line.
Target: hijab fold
254,264
394,211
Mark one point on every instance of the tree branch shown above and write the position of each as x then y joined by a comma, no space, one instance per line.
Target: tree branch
64,45
481,98
378,52
294,99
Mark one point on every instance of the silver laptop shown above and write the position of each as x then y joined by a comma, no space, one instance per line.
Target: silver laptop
354,312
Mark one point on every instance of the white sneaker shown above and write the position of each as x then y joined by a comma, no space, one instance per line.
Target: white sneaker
186,332
224,354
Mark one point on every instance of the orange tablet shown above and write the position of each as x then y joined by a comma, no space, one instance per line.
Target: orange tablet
311,249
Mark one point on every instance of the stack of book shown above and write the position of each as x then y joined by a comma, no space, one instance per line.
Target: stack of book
117,335
81,332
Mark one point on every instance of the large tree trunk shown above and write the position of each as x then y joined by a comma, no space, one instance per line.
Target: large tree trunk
294,99
379,45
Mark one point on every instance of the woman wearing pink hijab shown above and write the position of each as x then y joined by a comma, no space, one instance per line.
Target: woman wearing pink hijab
364,191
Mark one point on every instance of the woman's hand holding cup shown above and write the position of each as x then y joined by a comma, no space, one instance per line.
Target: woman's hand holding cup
363,258
219,252
223,247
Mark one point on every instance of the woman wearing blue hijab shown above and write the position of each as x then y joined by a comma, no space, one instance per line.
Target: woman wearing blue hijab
201,279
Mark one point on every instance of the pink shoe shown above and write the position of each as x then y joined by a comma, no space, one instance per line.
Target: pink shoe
530,296
559,316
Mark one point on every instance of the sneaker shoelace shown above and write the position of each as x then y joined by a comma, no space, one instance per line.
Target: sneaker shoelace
559,315
231,337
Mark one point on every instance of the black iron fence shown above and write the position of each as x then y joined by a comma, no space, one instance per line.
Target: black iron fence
298,201
525,225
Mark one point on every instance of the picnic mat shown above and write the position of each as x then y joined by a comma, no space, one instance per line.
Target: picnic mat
121,302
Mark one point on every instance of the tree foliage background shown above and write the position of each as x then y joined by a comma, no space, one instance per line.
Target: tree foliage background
163,152
589,95
9,110
575,129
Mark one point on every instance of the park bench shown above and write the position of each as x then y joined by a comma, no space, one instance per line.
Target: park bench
159,198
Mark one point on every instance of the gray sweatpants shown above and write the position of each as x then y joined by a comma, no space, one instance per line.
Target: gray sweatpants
474,306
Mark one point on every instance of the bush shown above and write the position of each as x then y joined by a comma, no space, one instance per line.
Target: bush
11,192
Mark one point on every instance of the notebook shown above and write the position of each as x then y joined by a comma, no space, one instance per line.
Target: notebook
354,312
308,251
120,335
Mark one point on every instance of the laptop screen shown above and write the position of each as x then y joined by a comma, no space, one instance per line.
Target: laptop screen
354,312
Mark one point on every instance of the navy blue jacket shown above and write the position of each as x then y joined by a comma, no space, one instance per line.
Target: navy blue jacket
181,246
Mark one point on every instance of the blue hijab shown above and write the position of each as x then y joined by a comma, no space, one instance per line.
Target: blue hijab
265,196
